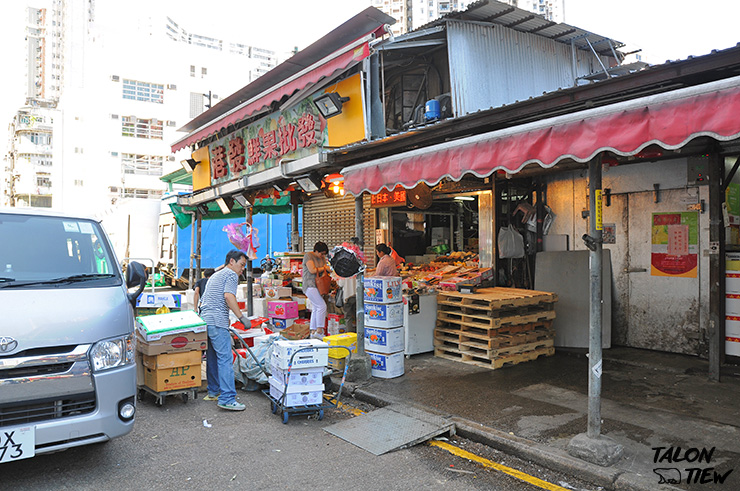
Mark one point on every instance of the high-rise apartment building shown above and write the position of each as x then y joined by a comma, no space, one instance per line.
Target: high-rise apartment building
108,84
412,14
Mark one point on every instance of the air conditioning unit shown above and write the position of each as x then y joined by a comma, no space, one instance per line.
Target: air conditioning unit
114,154
171,123
114,116
115,78
172,86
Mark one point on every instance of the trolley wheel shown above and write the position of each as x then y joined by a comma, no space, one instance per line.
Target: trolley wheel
159,401
274,407
285,417
184,398
140,395
321,414
194,395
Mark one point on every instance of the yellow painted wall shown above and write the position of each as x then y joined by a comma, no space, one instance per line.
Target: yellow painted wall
202,172
348,127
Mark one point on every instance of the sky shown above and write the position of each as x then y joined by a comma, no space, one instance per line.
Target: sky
663,29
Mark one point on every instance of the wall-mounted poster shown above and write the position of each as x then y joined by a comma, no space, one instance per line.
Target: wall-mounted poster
675,244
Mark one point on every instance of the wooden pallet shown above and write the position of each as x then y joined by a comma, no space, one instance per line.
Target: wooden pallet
500,362
490,353
486,333
488,299
485,343
495,320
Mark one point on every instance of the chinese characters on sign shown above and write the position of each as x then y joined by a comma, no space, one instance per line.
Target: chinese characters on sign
384,198
675,244
295,133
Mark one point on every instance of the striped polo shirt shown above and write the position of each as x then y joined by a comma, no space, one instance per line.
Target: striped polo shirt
213,308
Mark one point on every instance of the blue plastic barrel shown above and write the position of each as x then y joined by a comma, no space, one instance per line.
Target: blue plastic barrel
432,111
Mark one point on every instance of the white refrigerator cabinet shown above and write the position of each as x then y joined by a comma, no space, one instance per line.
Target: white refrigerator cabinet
419,328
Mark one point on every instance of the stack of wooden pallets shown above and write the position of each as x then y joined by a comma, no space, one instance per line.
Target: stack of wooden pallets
495,327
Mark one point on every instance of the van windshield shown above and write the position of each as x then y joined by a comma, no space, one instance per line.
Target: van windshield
46,252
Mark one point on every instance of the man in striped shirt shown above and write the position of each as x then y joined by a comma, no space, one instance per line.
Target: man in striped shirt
217,300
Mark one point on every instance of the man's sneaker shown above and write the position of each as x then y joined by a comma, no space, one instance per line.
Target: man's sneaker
233,406
209,397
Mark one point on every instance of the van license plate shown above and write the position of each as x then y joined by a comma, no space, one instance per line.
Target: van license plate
17,443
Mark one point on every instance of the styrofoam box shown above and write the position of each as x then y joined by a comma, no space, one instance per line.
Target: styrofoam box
732,282
316,357
384,315
386,365
732,335
384,340
300,377
382,289
297,395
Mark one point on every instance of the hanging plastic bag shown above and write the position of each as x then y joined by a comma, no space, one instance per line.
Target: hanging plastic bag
510,243
247,241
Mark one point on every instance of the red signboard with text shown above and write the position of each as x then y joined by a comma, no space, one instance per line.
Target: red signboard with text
386,198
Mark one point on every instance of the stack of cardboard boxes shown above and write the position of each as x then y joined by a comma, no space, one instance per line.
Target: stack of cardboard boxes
170,348
384,338
305,386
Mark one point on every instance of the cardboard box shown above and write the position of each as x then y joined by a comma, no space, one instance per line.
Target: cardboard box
301,300
295,395
382,289
299,330
276,292
173,343
154,300
384,315
154,327
337,364
282,309
315,356
336,324
385,341
348,339
172,371
282,323
140,369
300,377
386,365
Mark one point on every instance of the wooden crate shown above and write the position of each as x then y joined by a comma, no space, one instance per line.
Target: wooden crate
495,327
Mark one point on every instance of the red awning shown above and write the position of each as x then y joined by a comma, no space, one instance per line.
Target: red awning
334,66
669,120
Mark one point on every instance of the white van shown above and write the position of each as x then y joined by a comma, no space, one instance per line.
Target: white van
67,367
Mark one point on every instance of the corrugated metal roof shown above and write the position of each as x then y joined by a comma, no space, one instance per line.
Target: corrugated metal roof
525,21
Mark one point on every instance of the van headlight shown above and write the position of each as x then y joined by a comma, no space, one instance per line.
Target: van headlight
112,353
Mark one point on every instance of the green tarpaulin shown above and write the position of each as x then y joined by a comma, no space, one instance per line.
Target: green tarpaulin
267,206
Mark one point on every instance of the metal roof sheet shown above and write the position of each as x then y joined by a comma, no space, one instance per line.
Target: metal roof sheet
525,21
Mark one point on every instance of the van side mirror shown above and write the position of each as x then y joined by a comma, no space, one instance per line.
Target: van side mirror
135,275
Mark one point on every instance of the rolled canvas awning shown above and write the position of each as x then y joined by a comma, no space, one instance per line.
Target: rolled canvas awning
669,120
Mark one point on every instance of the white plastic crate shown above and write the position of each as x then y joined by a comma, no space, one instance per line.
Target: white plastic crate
299,376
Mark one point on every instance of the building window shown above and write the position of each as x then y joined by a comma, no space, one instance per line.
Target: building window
192,70
78,182
141,128
141,193
143,91
43,181
144,165
203,72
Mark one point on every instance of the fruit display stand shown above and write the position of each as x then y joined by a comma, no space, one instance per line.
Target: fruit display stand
495,327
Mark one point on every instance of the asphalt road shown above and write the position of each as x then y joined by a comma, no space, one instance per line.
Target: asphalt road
171,448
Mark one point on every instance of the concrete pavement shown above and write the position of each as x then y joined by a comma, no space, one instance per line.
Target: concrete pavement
673,422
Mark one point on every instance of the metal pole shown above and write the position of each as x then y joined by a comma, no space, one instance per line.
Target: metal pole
192,245
716,266
294,227
360,288
199,223
250,299
595,256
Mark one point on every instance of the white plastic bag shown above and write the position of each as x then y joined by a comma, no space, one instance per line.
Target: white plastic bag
510,243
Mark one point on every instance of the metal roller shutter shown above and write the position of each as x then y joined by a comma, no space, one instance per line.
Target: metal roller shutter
332,220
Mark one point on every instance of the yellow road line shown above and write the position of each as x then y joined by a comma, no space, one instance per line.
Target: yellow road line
493,465
343,407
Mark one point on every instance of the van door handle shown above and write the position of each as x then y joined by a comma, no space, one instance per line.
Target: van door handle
635,270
